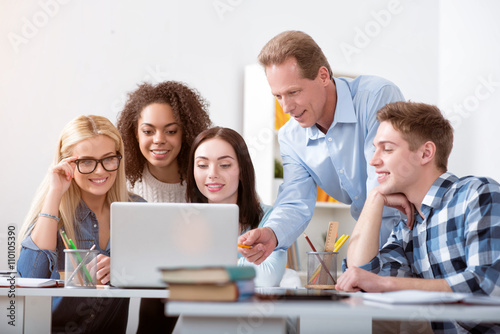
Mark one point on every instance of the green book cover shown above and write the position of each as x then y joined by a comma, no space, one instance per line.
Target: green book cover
204,274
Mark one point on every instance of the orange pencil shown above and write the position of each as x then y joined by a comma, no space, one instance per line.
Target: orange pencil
244,246
63,237
63,240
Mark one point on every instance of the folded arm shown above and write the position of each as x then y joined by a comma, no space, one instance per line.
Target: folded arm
357,279
364,243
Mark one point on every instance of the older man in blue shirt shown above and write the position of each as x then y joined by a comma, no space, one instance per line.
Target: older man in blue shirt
327,143
454,244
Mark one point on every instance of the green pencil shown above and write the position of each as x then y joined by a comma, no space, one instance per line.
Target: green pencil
72,245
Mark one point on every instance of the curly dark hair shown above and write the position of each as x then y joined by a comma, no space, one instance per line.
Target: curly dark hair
250,213
190,111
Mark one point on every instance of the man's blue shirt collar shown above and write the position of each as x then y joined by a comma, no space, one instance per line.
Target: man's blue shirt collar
344,111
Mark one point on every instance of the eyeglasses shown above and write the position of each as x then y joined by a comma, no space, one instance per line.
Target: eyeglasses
87,166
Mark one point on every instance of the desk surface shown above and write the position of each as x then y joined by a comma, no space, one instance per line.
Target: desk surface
79,292
33,305
353,306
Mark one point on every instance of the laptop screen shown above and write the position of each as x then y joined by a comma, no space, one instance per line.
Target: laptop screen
147,236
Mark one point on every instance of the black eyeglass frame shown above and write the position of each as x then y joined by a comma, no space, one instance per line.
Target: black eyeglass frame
99,161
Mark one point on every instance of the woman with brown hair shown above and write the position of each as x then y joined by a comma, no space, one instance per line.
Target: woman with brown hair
221,171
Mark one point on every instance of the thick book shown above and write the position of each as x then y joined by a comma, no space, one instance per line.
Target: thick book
429,297
191,275
211,292
23,282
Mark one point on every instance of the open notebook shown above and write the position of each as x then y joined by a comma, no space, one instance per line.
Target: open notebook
147,236
23,282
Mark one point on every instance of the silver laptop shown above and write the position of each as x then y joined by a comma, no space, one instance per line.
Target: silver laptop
148,236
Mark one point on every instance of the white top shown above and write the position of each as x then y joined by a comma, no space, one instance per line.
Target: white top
155,191
270,272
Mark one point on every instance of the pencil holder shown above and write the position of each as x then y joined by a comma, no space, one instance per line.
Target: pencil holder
321,270
80,268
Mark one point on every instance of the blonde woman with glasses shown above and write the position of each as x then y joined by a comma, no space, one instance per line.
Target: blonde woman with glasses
86,177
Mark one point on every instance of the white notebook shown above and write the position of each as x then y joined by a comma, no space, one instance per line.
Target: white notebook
24,282
428,297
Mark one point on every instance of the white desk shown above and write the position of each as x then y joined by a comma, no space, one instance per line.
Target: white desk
346,316
33,306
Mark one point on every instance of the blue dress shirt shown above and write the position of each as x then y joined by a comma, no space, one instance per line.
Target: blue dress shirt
458,240
336,161
82,315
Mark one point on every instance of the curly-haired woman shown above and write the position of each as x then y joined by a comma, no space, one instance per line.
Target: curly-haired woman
158,125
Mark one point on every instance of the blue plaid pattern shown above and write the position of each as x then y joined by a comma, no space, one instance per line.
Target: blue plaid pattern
458,240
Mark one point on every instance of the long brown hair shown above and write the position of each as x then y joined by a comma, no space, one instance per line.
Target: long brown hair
248,201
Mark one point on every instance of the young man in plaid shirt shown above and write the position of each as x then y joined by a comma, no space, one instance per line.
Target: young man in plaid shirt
451,239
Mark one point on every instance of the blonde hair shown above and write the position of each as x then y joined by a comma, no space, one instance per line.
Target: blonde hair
76,131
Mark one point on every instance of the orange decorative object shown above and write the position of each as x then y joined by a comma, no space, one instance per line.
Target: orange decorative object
280,118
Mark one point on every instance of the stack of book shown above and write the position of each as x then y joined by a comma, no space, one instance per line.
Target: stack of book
229,283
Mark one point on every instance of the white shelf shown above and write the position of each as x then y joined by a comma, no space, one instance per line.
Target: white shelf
333,205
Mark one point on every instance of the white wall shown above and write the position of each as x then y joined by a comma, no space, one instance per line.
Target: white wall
82,57
469,73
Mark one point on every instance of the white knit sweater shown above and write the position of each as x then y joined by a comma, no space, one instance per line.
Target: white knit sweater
156,191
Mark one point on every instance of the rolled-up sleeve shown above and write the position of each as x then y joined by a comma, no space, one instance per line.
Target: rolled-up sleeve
36,262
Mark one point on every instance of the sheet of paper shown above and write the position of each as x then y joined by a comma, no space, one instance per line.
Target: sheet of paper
414,297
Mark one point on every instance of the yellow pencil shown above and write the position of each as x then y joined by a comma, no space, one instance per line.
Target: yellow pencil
340,244
244,246
315,274
339,241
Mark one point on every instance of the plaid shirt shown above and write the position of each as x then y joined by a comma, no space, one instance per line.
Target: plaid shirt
458,240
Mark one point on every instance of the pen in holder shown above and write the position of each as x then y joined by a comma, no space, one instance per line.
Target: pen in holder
321,270
80,268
